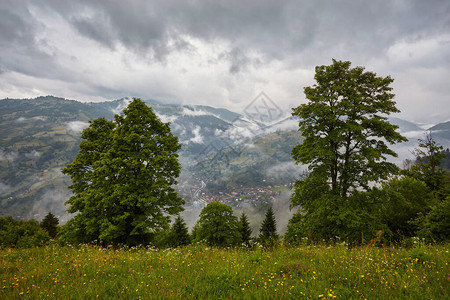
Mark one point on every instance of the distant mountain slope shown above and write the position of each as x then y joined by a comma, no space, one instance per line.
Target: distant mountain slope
223,148
39,136
405,126
441,132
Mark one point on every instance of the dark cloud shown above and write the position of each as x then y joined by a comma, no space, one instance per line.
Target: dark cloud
20,49
273,28
239,60
245,35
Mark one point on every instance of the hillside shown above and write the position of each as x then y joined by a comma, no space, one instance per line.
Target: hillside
441,131
221,148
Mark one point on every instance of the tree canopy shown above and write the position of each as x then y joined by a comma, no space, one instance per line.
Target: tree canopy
123,177
217,226
346,136
345,131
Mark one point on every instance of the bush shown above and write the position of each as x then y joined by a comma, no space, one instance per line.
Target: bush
350,219
21,234
436,225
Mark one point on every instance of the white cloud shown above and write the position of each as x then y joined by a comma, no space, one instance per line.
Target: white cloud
36,118
413,134
163,51
166,118
9,156
286,124
32,154
285,168
194,112
198,138
39,118
76,126
121,106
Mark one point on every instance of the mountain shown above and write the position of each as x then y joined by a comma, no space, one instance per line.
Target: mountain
404,126
221,149
39,136
441,132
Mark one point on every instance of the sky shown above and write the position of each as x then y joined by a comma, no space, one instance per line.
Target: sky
223,53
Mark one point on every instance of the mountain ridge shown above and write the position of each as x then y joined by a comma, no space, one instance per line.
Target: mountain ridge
39,136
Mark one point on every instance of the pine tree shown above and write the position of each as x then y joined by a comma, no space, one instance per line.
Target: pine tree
245,230
179,233
50,224
268,231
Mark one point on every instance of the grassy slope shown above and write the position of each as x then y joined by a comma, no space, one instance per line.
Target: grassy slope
198,272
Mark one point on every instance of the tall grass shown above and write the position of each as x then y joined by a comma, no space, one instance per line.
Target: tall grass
199,272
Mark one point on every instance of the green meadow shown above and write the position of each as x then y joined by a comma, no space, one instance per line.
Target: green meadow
201,272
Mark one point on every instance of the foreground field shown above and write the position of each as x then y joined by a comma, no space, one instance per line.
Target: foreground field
200,272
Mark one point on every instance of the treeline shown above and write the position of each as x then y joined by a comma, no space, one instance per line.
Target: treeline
216,227
29,233
414,204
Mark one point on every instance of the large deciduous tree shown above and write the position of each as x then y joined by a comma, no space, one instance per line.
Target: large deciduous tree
122,179
346,130
346,137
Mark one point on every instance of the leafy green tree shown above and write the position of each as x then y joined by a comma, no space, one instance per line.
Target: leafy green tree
50,224
428,161
217,226
21,234
436,224
403,200
346,133
345,128
245,230
179,233
333,218
268,231
122,179
294,232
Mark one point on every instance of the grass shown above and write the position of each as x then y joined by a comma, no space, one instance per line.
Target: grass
199,272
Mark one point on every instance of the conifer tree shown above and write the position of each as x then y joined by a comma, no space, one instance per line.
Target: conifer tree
50,224
268,231
179,233
245,230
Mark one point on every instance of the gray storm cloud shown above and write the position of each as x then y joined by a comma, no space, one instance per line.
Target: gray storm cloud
221,53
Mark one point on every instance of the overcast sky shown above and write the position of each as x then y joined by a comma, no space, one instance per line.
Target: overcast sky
222,53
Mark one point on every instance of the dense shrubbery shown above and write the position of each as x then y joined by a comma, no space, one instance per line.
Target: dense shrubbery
21,234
